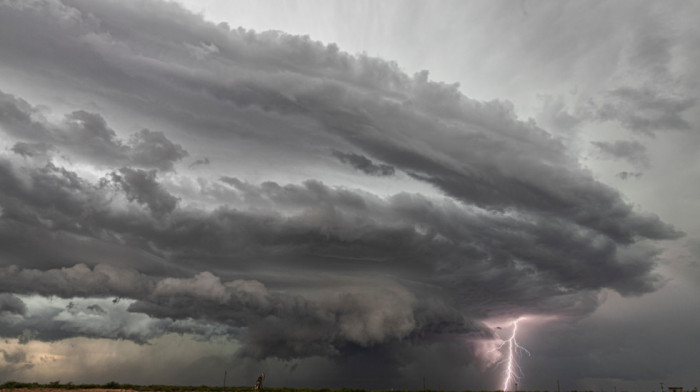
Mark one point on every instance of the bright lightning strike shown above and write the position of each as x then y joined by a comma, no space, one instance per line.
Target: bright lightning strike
512,373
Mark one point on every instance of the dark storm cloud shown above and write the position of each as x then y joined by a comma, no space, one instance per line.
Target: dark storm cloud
514,166
78,280
345,231
48,196
153,149
363,164
53,217
212,234
409,236
646,111
295,269
85,134
279,325
141,185
483,156
290,326
629,150
378,227
11,304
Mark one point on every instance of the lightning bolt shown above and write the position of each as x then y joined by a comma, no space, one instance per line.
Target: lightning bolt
512,373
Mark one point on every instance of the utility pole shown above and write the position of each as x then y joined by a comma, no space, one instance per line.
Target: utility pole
225,378
558,390
424,383
662,386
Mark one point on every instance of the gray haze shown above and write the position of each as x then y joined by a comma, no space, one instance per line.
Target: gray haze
180,196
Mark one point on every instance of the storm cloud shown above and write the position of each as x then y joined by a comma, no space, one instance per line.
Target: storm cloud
345,212
84,134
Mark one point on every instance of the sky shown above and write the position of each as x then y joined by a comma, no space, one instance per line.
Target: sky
350,193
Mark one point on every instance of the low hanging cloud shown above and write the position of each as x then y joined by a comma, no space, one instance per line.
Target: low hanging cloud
58,319
279,325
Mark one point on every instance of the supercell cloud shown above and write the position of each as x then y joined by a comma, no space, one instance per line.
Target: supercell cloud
344,210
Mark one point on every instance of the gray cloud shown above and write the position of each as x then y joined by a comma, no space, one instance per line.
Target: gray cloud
286,326
15,360
78,317
78,280
11,304
629,150
14,357
153,149
627,175
505,168
363,164
91,135
515,168
85,134
141,185
200,162
278,324
646,111
412,237
32,150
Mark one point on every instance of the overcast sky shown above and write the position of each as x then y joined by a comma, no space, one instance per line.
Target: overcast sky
350,193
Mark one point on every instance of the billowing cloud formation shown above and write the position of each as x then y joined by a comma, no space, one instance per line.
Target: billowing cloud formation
317,228
281,325
84,134
53,320
142,186
471,214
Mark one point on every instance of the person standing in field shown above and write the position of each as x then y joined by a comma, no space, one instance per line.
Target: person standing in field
259,383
